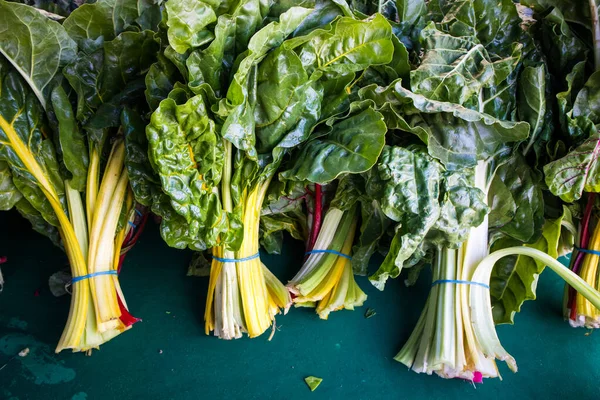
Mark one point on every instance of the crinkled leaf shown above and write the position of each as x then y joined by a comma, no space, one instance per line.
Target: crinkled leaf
495,23
199,266
573,11
160,80
142,179
111,75
455,135
350,45
174,229
187,22
36,46
562,46
460,70
188,157
587,102
273,226
462,206
374,225
407,182
239,125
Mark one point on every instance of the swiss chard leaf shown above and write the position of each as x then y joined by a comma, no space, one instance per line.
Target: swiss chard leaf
460,70
187,22
36,46
516,199
24,148
72,142
9,194
352,146
408,186
111,76
578,171
188,156
106,19
455,135
142,179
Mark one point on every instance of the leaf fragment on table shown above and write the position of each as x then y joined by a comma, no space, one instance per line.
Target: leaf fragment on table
313,382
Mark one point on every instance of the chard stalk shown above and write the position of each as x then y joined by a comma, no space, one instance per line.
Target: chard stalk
107,209
481,309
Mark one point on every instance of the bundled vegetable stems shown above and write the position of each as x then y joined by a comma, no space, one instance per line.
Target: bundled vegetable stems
326,279
98,311
62,140
243,296
579,311
455,336
444,340
574,176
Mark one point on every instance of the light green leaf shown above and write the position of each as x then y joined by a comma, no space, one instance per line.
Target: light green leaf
313,382
187,21
407,184
188,155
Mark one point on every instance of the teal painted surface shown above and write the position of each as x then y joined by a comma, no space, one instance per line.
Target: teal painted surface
352,354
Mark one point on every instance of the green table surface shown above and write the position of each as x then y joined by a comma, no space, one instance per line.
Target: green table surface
168,356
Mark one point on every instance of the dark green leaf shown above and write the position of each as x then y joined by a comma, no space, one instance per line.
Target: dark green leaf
473,135
72,142
108,18
578,171
352,146
9,194
516,198
36,46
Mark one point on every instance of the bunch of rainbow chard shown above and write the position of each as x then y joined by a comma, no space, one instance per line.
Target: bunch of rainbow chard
65,86
252,86
457,179
569,35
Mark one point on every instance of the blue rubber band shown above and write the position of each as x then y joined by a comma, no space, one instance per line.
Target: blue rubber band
236,260
88,276
132,224
439,281
588,251
330,252
138,212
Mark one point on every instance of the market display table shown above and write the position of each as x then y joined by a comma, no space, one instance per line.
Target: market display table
168,356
